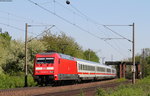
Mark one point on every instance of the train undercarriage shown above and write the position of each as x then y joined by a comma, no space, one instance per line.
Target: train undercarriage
48,80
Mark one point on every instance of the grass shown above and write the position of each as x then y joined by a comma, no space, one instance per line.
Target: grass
7,81
121,80
141,88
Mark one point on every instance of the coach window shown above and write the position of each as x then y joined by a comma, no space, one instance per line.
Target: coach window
108,70
89,68
81,67
101,69
113,71
85,67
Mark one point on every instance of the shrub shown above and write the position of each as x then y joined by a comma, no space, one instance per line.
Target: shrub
101,92
141,88
121,80
7,81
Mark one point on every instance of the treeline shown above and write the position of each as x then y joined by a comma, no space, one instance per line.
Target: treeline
144,59
12,53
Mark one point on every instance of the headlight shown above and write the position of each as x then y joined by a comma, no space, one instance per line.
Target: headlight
51,71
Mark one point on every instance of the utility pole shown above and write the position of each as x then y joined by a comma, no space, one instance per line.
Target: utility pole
143,63
103,60
0,30
89,54
26,47
133,46
26,69
133,54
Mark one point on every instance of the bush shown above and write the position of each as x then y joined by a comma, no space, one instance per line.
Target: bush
121,80
7,81
101,92
141,88
128,92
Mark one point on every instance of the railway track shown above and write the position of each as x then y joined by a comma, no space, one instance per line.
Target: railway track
70,90
90,91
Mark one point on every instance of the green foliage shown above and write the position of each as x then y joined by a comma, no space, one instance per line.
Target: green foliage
62,44
121,80
12,56
144,59
141,88
7,81
146,66
15,58
101,92
91,55
4,46
14,62
81,93
128,92
5,36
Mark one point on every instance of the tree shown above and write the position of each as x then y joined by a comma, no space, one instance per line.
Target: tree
62,44
5,39
91,55
15,58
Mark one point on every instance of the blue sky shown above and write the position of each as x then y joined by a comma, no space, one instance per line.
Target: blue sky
83,13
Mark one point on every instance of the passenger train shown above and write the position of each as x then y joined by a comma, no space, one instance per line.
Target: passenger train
53,67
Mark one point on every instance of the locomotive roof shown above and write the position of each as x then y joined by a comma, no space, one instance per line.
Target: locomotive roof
46,53
64,56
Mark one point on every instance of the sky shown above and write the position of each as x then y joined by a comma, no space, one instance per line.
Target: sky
84,21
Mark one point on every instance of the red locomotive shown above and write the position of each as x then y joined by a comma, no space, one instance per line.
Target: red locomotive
53,67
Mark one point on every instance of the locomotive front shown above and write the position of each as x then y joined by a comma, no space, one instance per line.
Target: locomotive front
44,66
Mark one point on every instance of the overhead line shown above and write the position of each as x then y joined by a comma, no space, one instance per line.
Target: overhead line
114,48
67,21
41,33
20,17
12,26
93,21
117,33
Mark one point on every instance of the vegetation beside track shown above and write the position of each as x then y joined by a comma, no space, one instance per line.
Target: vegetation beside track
141,88
12,55
7,81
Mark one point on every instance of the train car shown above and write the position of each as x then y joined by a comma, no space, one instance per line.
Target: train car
52,67
95,71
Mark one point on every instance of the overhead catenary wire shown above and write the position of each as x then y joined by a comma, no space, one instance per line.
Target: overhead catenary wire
93,21
115,48
117,33
87,17
42,23
23,18
14,27
62,18
17,28
96,23
65,19
84,30
41,33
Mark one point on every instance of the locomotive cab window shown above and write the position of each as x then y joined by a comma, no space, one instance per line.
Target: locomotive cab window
45,60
